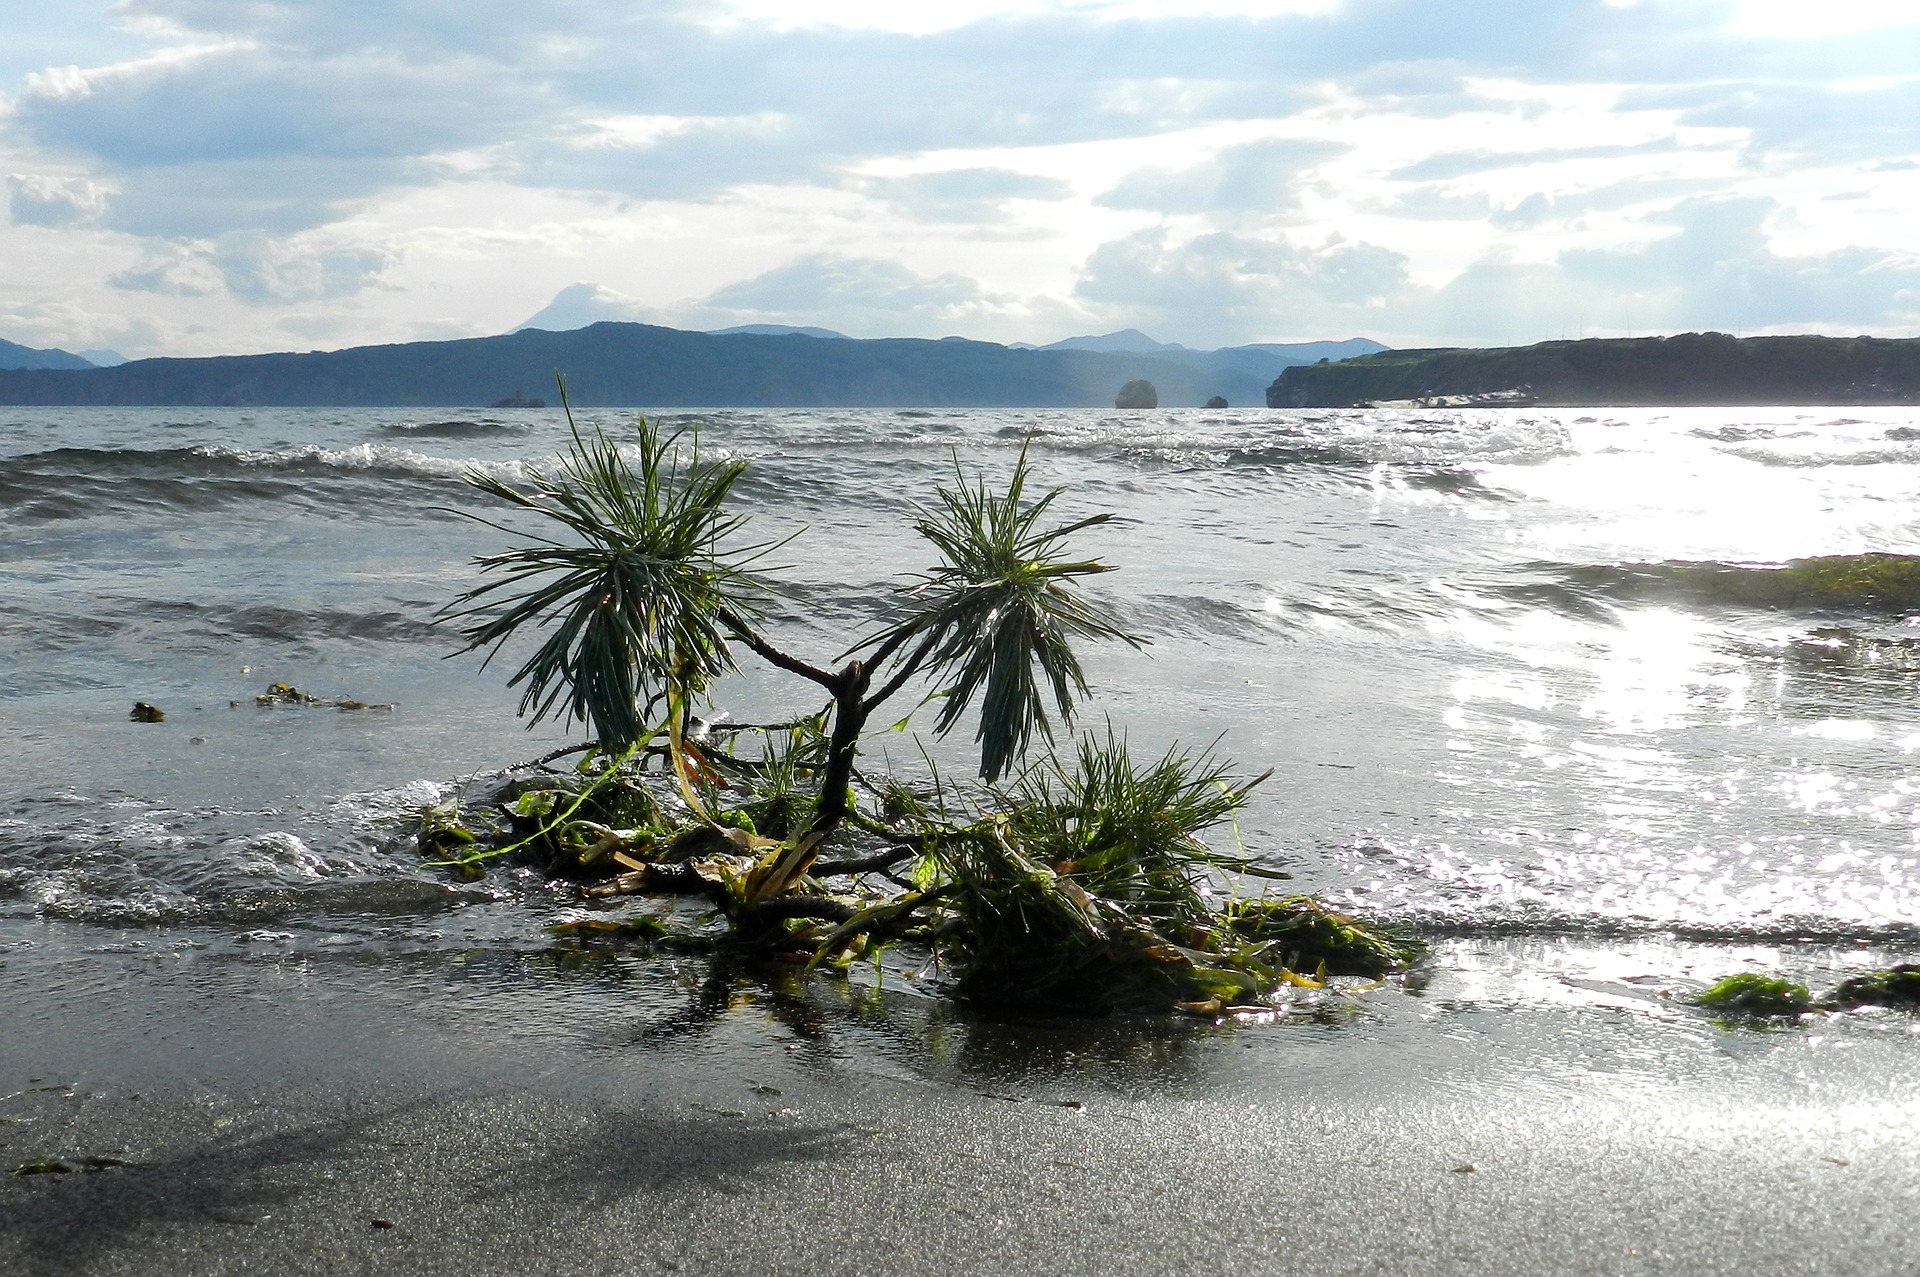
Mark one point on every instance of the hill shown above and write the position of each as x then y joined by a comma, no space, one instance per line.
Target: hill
1689,369
622,364
13,355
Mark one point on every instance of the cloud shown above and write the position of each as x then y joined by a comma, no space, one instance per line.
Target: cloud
864,295
1256,176
963,195
1222,288
256,269
170,270
1270,167
1718,269
1451,164
65,325
35,199
1803,121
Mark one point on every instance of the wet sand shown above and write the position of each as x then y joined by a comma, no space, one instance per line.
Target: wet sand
530,1113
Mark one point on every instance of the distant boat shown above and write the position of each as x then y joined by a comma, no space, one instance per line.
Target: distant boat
517,400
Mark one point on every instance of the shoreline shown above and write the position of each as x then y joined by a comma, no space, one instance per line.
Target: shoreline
515,1112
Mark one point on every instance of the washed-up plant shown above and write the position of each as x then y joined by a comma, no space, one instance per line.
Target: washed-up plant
1064,882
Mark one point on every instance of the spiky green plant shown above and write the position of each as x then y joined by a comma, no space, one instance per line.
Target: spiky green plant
998,615
1129,832
777,790
1081,884
1084,886
633,597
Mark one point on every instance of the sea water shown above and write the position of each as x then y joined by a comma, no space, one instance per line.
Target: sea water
1615,679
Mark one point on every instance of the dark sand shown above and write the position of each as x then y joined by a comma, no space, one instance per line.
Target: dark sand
518,1113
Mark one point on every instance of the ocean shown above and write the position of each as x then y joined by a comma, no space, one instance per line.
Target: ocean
1639,685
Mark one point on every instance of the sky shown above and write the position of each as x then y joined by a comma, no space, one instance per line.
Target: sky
195,177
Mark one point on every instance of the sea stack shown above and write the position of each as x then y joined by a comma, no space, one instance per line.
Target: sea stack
1137,394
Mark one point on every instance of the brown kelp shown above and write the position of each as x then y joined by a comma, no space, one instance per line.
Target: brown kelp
1075,881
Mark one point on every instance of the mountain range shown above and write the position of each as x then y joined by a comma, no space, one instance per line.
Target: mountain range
645,365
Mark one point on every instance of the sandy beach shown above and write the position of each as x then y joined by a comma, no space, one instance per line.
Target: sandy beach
585,1113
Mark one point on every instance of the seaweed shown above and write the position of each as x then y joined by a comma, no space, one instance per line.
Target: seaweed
1896,986
1315,937
286,694
1750,993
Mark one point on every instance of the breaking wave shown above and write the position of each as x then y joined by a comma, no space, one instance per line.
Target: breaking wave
1873,583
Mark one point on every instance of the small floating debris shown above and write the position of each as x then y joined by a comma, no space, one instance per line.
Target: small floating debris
145,713
287,694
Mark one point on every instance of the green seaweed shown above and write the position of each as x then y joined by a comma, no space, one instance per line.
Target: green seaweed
1750,993
1897,986
1313,937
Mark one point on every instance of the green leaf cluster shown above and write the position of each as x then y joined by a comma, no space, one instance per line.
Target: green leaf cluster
633,601
996,618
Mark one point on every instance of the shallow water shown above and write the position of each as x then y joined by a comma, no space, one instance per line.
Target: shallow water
1541,673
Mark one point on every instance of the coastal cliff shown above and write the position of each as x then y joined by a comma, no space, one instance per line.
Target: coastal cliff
1688,369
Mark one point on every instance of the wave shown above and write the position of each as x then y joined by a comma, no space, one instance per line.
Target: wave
1872,583
118,861
126,614
454,429
76,483
1438,889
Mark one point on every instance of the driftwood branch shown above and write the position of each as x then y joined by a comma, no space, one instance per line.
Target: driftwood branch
783,907
774,656
863,864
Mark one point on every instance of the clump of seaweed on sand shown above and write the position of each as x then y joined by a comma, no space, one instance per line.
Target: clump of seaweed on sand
1059,881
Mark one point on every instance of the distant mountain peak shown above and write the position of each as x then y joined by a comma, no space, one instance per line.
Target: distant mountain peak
582,306
1128,341
1312,351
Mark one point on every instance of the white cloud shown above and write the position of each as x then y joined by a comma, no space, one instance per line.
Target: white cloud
639,132
256,269
1224,289
1797,20
59,84
1012,169
1259,177
930,17
963,194
39,199
863,296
